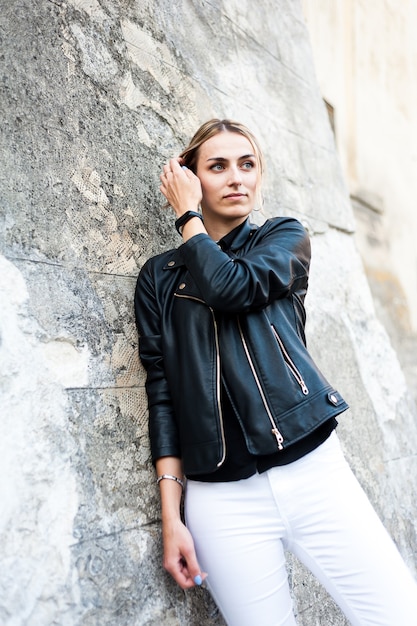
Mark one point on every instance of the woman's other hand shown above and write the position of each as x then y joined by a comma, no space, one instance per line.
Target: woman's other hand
181,187
179,554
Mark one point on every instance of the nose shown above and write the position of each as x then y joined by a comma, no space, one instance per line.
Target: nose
235,177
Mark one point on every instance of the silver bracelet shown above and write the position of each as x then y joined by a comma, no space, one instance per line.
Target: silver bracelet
170,477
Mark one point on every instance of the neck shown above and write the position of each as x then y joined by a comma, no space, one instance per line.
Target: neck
216,230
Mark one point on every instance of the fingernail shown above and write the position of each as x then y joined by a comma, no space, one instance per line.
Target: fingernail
198,580
184,167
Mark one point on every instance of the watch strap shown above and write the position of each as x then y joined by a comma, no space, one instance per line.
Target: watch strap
183,219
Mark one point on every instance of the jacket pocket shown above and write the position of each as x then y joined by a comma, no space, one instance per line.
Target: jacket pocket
290,363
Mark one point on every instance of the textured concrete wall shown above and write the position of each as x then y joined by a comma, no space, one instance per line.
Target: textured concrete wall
96,94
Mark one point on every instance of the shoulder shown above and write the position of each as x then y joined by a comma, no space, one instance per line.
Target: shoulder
283,236
158,261
281,227
152,270
282,223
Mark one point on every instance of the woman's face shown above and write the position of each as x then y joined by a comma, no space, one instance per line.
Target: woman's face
229,174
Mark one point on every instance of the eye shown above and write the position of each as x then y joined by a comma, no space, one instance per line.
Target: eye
248,165
217,167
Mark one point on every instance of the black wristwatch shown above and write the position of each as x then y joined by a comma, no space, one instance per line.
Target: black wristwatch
183,219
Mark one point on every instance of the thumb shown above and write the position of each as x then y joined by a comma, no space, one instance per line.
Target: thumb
200,578
194,570
189,173
196,574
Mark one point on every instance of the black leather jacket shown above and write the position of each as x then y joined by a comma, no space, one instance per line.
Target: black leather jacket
230,317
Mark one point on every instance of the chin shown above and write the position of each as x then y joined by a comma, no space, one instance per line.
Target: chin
239,212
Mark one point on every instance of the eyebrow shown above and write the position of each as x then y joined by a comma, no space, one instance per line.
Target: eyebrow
245,156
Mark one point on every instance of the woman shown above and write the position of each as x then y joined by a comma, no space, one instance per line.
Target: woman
238,407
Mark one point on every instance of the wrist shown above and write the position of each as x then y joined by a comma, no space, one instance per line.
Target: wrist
184,218
171,517
171,492
177,480
171,511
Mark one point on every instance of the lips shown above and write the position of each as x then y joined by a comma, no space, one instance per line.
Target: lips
235,195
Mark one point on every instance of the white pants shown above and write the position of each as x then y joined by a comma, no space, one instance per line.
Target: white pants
315,508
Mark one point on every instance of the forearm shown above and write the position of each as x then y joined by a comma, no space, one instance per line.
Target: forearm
170,490
179,554
274,265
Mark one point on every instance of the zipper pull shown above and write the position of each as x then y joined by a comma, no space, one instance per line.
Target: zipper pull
278,437
304,387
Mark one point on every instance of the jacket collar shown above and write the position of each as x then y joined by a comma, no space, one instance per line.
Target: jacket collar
237,237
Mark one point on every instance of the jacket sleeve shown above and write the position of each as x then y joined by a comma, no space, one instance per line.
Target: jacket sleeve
275,265
162,426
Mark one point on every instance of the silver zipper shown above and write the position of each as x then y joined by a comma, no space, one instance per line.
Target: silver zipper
290,363
218,372
279,438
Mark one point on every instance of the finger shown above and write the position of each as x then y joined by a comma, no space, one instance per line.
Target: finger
179,572
200,578
192,581
165,177
193,567
189,174
175,162
184,566
177,165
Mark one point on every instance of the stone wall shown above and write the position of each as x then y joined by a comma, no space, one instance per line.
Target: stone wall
96,95
365,55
